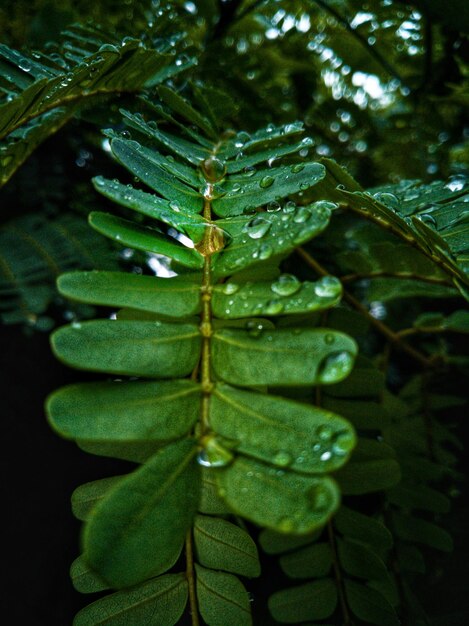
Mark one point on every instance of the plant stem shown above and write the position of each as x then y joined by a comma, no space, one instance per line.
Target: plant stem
191,579
392,336
348,278
338,574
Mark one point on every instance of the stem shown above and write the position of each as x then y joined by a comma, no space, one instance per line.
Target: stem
348,278
338,574
392,336
191,579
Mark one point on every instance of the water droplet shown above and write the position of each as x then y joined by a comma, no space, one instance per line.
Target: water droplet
323,208
212,242
257,227
107,47
174,206
290,207
335,367
213,169
282,458
328,287
324,432
286,285
304,186
297,168
273,207
388,199
343,444
249,170
76,325
230,288
25,65
254,329
265,251
266,181
213,453
325,456
302,215
428,219
329,339
320,498
274,307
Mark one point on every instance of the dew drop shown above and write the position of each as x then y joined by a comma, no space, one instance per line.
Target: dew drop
302,215
328,287
25,65
305,186
213,453
274,307
273,207
286,285
254,329
290,207
343,444
285,525
428,219
174,206
388,199
230,288
324,432
325,456
297,168
329,339
213,169
282,458
265,251
335,367
257,227
266,181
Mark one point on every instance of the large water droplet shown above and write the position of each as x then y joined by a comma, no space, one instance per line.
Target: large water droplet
343,444
388,199
213,169
25,65
282,458
273,206
328,287
286,285
428,219
257,227
298,167
266,181
290,207
213,453
335,367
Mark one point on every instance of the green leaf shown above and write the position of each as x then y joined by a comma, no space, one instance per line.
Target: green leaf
261,139
125,412
84,579
158,601
222,545
222,598
178,297
314,561
284,501
135,451
314,600
301,356
251,159
285,296
133,348
363,528
211,503
138,529
362,477
419,497
281,432
414,529
369,605
360,561
149,204
144,238
184,108
86,496
138,160
267,235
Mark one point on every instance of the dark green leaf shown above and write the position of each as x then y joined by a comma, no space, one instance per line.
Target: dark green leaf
138,530
121,412
314,561
281,432
360,561
84,579
144,238
284,501
315,600
223,545
222,598
86,497
184,108
301,357
369,605
363,528
133,348
358,478
211,502
155,602
414,529
178,297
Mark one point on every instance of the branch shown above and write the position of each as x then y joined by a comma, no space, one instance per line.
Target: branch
191,580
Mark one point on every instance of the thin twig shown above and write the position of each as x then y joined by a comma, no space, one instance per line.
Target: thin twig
356,304
349,278
191,579
338,575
